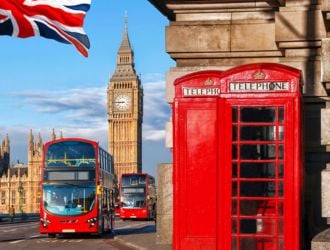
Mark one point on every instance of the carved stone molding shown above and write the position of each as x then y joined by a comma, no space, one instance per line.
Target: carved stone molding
325,7
170,8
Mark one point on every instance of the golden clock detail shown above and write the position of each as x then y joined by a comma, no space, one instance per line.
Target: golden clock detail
122,102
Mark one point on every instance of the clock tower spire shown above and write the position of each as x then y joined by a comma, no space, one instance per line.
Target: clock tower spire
125,95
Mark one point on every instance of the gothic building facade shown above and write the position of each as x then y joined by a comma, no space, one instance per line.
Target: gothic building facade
4,155
19,184
125,105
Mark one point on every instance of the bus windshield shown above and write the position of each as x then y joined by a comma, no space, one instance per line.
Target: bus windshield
133,200
133,180
69,199
133,194
70,154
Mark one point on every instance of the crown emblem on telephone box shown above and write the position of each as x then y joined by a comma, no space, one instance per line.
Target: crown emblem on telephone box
259,75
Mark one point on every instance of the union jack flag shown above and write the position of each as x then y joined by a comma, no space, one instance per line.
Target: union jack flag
61,20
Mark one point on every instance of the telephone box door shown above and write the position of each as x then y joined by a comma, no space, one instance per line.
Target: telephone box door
198,182
259,177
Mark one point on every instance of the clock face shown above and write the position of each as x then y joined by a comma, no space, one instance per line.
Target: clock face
122,102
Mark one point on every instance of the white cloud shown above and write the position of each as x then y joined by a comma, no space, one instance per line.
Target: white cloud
86,106
81,113
156,111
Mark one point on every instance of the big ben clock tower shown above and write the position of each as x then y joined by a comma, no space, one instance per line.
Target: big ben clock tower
125,106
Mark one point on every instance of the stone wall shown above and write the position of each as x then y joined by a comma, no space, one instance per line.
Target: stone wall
213,34
164,204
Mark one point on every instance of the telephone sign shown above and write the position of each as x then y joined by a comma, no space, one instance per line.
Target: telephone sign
237,159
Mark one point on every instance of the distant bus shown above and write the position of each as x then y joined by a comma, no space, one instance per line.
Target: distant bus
137,196
77,188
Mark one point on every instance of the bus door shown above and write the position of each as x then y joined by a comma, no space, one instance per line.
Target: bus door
237,167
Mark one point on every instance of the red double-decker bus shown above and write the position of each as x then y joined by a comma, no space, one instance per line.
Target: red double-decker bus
77,188
137,196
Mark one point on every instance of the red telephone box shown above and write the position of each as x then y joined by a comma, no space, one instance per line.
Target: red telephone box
237,159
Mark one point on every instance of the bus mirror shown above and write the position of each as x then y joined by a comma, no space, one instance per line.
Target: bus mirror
99,190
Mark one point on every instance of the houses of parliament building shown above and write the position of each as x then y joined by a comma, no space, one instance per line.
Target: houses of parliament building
19,184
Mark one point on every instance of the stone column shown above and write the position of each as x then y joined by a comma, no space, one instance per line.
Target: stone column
164,204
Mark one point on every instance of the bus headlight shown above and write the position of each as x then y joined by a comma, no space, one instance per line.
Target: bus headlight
44,222
92,221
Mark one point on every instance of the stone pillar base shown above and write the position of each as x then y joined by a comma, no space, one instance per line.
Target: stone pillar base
164,204
321,241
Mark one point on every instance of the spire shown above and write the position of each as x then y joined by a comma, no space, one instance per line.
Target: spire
6,145
31,141
125,59
61,134
39,140
53,136
7,141
125,43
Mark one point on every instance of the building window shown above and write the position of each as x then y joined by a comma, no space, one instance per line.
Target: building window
13,197
3,197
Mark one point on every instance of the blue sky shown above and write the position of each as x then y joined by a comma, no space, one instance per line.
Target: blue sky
47,84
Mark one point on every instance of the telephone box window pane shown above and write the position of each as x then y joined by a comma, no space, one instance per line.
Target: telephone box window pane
280,151
281,133
258,133
248,243
258,170
280,170
234,207
248,226
271,188
234,188
248,207
234,226
234,170
234,133
234,151
258,189
258,151
280,244
280,114
267,151
280,208
253,189
254,243
258,114
234,243
270,244
280,227
234,114
280,189
267,226
249,152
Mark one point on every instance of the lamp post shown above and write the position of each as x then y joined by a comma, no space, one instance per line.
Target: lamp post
20,191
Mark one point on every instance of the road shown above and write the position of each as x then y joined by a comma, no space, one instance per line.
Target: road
26,236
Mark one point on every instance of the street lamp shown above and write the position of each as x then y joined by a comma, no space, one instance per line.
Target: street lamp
20,191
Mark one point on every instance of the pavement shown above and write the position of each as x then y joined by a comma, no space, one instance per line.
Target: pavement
142,239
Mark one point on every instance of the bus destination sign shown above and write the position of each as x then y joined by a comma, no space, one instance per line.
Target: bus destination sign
258,86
